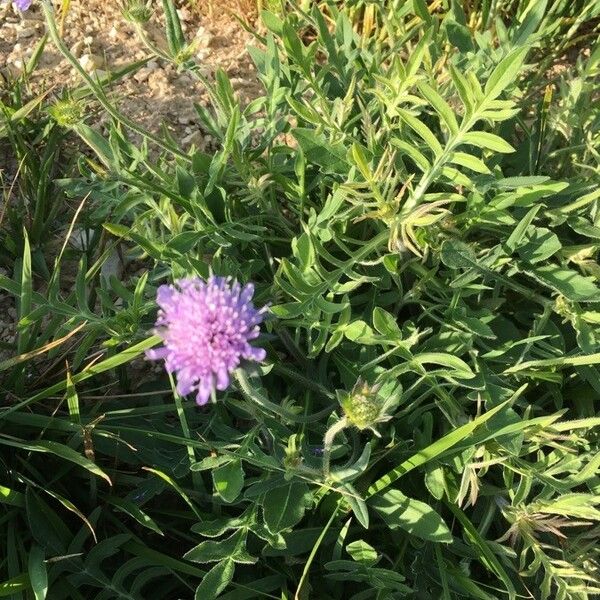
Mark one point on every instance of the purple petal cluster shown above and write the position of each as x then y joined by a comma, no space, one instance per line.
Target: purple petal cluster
206,327
23,4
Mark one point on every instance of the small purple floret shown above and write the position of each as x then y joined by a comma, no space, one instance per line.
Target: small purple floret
23,4
206,327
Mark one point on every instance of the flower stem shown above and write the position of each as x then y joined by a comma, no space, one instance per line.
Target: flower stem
196,476
257,397
336,428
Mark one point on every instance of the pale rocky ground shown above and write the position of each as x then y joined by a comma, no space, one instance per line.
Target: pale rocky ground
157,95
102,40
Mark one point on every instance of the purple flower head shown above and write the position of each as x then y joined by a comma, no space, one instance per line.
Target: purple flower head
206,327
23,4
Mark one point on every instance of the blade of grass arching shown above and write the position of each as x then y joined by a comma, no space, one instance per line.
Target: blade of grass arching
22,112
135,512
59,450
313,553
83,91
438,447
15,360
177,488
556,363
442,571
72,508
486,556
106,365
33,61
12,497
11,587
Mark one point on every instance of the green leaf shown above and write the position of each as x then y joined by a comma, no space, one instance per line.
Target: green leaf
357,504
229,480
358,331
470,162
362,552
216,580
541,244
26,291
482,547
567,282
459,368
330,157
38,575
414,516
233,547
459,36
272,22
505,73
13,586
12,497
420,9
175,38
438,447
440,105
385,323
176,487
422,130
557,363
518,232
284,506
45,525
576,505
61,451
487,141
134,511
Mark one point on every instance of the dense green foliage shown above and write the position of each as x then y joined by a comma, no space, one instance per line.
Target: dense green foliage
416,196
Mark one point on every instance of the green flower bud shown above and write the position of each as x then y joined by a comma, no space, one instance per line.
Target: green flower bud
136,11
292,458
363,406
67,112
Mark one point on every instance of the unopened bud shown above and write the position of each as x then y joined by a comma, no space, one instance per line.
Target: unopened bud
67,112
363,406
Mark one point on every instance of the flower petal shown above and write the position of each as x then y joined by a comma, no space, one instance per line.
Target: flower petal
204,389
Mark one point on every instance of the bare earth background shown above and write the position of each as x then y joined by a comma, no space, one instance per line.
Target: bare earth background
103,40
156,96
